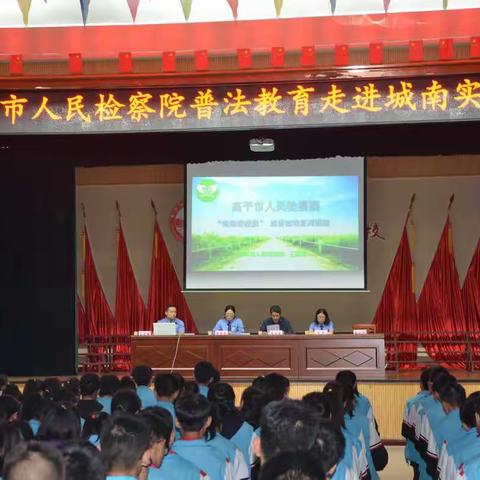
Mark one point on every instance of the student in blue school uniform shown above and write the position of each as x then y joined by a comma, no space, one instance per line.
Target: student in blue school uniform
288,425
60,424
205,374
463,450
194,417
33,409
92,429
125,447
142,374
412,457
166,391
89,387
323,404
322,321
451,396
165,463
230,322
109,384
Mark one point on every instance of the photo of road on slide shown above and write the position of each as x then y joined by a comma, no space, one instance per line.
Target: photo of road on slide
275,224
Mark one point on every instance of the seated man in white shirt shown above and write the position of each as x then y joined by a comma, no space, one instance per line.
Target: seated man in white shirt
171,317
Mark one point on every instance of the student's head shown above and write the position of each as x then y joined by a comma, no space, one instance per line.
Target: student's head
286,425
51,386
61,423
65,395
34,461
347,377
127,382
10,439
190,388
424,377
222,395
126,401
329,445
171,312
109,384
180,382
9,408
125,444
252,403
14,391
320,402
34,407
292,466
230,312
442,381
83,462
276,386
204,372
469,409
451,396
434,373
32,387
341,401
161,427
142,374
73,384
166,386
194,414
94,424
275,313
321,317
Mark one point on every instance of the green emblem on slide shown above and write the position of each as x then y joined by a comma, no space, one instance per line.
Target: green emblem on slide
207,190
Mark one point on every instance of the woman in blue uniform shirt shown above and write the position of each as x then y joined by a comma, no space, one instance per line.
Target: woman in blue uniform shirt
230,322
322,321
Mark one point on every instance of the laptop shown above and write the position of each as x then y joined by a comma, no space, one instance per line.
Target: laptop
164,329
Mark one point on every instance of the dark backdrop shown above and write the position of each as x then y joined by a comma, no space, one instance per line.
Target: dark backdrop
37,209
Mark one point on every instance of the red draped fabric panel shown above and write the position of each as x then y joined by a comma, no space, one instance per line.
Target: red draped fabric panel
81,322
440,306
396,311
130,311
98,314
471,301
164,285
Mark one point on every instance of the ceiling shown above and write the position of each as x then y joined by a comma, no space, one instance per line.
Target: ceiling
45,13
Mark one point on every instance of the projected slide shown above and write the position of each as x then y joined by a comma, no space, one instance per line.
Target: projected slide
275,223
276,231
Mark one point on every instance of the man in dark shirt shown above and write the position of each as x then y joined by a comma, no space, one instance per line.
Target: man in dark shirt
276,319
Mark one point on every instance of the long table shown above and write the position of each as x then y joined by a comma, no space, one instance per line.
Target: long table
243,357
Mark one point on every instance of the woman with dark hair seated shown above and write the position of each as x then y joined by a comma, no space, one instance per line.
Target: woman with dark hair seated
322,322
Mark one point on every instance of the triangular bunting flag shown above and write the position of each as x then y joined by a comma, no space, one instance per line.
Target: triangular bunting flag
187,8
445,4
234,6
133,6
278,7
386,4
25,8
84,5
333,6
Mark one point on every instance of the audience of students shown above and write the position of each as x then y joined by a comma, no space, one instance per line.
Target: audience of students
105,428
442,429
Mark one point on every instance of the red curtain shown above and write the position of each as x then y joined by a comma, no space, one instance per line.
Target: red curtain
81,321
130,312
99,317
440,306
164,285
471,301
396,312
